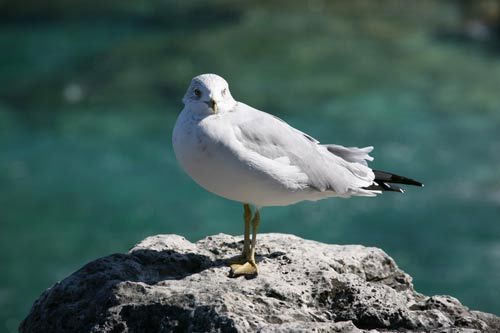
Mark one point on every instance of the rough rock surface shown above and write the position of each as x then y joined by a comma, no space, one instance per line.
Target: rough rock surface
168,284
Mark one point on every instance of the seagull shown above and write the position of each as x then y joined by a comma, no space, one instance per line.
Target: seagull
250,156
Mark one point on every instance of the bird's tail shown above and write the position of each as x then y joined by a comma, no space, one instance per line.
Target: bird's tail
384,181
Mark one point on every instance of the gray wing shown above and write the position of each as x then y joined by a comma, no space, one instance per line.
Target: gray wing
341,170
351,154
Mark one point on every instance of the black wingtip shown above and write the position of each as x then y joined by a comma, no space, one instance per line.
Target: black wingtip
384,181
385,187
387,177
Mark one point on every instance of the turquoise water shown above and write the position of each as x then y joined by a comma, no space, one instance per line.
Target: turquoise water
87,106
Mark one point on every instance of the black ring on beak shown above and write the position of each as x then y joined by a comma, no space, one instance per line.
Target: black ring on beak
211,103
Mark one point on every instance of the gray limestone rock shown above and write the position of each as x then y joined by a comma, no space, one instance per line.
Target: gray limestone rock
168,284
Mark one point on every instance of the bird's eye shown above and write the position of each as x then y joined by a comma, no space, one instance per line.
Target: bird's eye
197,92
224,92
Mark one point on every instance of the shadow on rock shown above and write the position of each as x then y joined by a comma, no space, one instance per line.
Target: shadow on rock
92,288
167,265
168,284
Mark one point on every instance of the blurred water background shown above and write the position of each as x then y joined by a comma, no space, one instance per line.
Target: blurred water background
90,90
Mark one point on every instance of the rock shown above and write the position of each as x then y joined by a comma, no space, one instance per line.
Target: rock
168,284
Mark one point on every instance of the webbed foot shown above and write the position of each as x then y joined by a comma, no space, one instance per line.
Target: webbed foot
247,269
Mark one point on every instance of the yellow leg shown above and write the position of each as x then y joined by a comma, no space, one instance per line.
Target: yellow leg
255,227
249,267
247,216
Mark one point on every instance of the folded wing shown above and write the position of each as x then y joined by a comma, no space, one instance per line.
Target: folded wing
328,168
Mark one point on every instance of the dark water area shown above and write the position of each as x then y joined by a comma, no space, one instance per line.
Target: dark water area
89,96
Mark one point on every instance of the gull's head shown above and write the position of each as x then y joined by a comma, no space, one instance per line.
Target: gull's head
208,94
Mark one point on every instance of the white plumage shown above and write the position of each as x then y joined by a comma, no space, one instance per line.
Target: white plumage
250,156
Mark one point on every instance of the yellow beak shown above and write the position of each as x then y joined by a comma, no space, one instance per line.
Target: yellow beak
212,105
